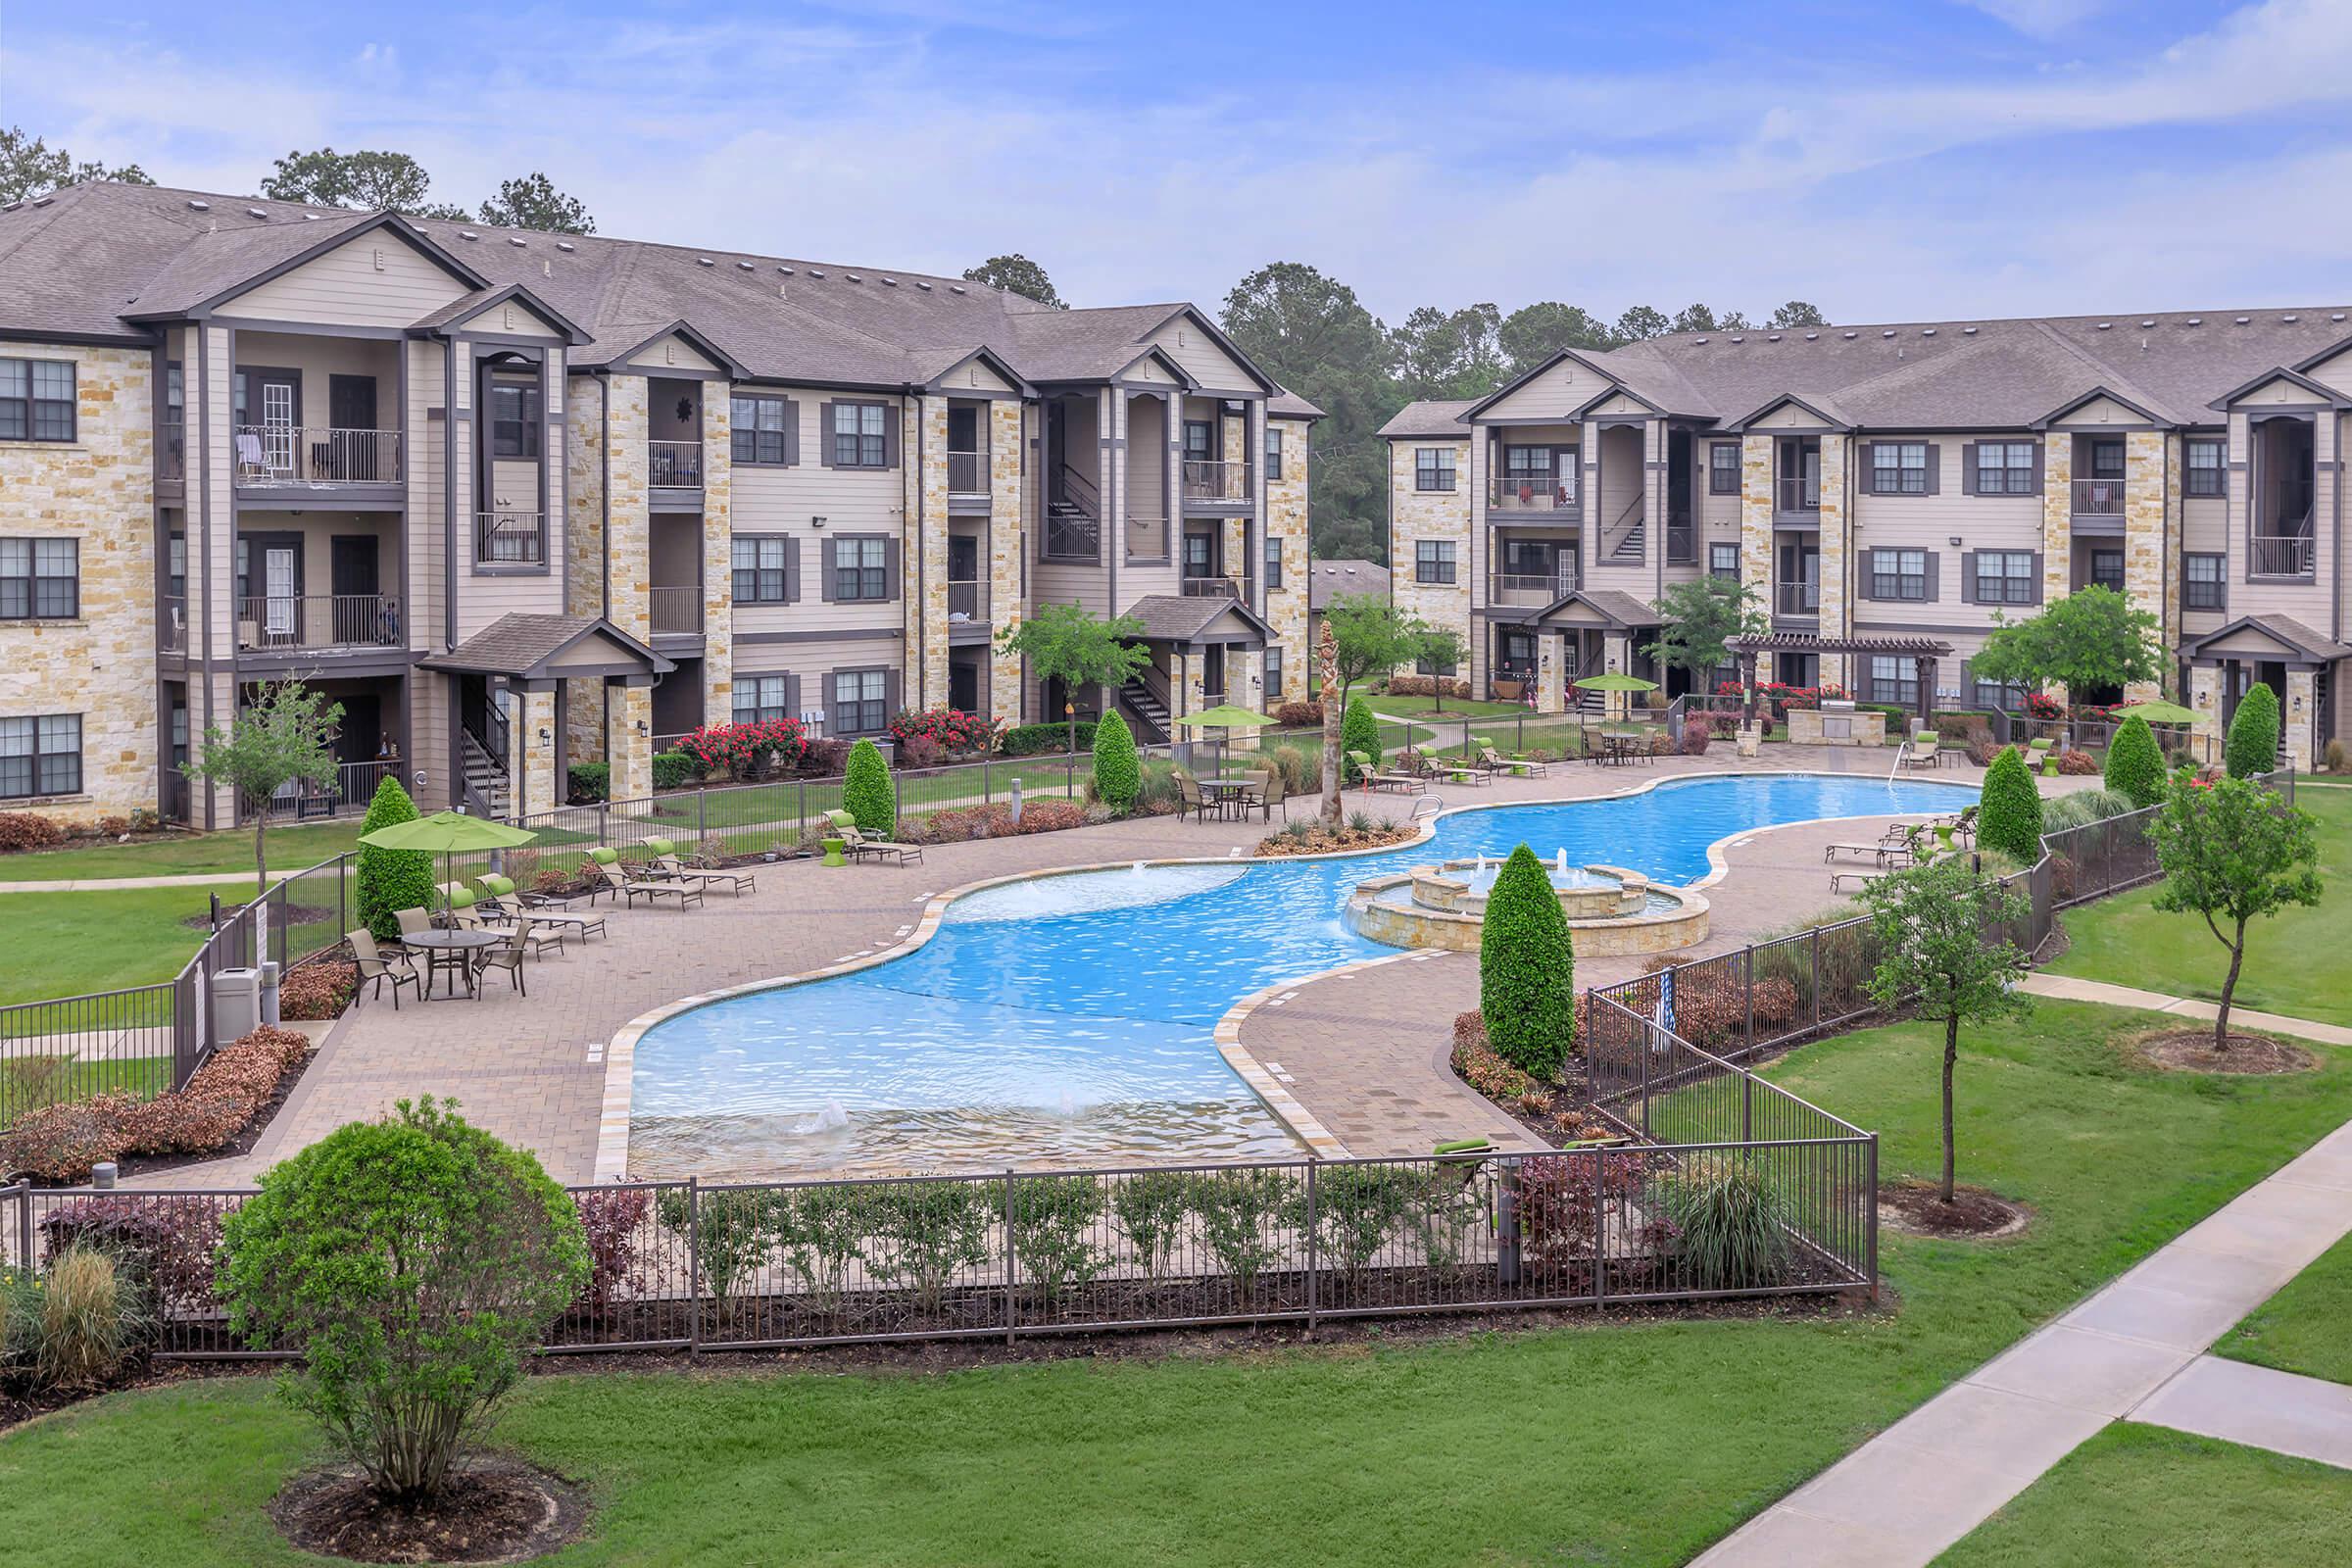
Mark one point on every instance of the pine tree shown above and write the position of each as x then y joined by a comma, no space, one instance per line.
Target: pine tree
867,791
2253,746
2135,763
1359,731
1117,774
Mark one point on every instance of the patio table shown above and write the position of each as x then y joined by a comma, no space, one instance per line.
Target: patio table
1223,793
453,951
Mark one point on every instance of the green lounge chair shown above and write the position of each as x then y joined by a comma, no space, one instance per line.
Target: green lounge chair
617,873
859,845
1370,776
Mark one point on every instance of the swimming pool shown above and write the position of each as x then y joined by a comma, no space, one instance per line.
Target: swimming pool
1067,1019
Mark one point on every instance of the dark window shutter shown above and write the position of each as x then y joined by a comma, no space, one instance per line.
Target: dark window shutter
1967,468
1968,577
2036,599
830,701
2038,447
1934,468
1935,577
890,696
824,575
1866,484
891,419
1869,583
1968,684
792,432
890,568
792,571
824,442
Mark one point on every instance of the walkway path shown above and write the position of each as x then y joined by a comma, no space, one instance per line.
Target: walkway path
121,884
2133,1350
2073,989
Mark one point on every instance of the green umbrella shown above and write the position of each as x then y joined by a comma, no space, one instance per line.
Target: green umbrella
1615,682
2158,713
446,833
1225,716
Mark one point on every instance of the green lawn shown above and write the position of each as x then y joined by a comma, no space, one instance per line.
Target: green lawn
1625,1445
2307,1327
2139,1496
2127,941
66,944
1454,708
290,849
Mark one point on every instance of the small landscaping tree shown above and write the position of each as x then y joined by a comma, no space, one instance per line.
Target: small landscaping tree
1944,949
2253,746
1117,773
391,880
2009,808
2135,763
2232,852
284,734
1370,636
1527,970
2092,637
867,791
1359,731
1441,647
1698,619
1068,644
412,1262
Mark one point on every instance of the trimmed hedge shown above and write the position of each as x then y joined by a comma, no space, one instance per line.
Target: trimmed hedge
589,782
2009,811
673,770
1527,970
1118,774
2135,763
2253,748
867,791
391,880
1359,731
1036,740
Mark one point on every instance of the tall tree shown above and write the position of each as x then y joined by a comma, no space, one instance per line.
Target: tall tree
372,181
1532,333
1640,322
1696,619
1694,318
1798,313
1017,274
1373,637
284,735
30,167
1450,354
1066,643
533,202
2233,853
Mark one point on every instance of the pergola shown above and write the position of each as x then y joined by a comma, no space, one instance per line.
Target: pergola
1923,652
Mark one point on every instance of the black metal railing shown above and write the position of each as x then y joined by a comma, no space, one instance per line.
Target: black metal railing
967,473
1546,493
509,538
295,621
1799,492
673,465
278,454
674,609
968,600
1797,597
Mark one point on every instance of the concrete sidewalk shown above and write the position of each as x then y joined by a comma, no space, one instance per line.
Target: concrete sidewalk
124,884
2069,988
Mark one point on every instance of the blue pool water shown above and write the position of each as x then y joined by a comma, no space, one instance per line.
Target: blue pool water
1069,1018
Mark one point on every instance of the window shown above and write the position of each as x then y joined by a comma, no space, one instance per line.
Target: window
859,698
1898,469
2007,695
2004,467
1723,560
1527,462
1893,680
36,400
761,575
1200,551
860,570
1433,561
1273,450
859,435
175,572
1433,468
1199,441
2206,583
1723,468
1898,574
40,755
1273,562
2107,570
756,430
513,420
2206,476
762,699
2107,460
2005,576
1273,671
41,579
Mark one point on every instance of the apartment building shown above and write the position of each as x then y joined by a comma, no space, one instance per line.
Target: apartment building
1901,482
520,500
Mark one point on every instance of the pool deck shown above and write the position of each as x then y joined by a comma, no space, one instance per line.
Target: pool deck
1363,1052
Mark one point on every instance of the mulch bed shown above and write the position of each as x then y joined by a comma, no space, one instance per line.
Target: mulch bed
1974,1214
2191,1050
491,1509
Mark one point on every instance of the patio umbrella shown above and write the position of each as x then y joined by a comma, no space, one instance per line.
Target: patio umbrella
1615,682
446,833
1224,716
2158,713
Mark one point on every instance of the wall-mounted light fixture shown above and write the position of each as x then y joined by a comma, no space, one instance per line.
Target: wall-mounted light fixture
817,523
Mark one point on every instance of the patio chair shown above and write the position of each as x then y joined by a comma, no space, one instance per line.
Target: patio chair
1373,779
379,967
412,923
1189,797
859,845
509,956
1922,752
1517,766
619,875
1270,793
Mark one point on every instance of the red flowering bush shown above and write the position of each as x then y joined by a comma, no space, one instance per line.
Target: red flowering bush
1566,1204
954,732
2041,706
1783,697
747,750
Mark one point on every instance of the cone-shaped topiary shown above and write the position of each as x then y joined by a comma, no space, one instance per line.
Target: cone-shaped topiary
2253,748
2009,811
1359,731
2135,763
867,791
1526,970
1117,773
391,880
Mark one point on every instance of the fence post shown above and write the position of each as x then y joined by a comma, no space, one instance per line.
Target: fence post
1313,1249
1600,1224
1644,1041
694,1265
702,814
1747,1107
1870,1213
988,782
1009,1316
799,811
25,1222
1748,985
1816,962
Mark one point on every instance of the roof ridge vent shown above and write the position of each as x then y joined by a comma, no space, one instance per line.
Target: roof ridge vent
2105,325
1927,331
196,204
925,287
851,278
786,270
2144,326
2335,315
745,266
1694,342
1968,331
1852,334
517,241
468,233
2242,320
813,272
703,260
1739,340
1890,333
2195,321
1772,337
958,288
1811,336
890,283
566,245
255,212
309,217
2290,318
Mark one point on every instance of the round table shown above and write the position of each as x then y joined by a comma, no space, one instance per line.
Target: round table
453,951
1224,792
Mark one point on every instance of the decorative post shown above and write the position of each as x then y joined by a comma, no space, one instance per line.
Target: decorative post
1326,658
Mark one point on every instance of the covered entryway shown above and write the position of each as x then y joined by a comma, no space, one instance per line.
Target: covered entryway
2301,666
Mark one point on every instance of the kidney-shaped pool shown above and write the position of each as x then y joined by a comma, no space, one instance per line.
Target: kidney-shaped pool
1067,1019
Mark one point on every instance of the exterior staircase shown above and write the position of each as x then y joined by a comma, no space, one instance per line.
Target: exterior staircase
1634,541
485,781
1147,711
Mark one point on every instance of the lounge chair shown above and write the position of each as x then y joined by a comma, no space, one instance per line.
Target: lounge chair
379,967
617,874
498,900
1517,766
469,910
508,955
859,845
1372,779
1880,853
1922,752
1860,879
668,866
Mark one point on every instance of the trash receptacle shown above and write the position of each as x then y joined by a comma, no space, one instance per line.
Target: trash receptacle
236,1003
269,994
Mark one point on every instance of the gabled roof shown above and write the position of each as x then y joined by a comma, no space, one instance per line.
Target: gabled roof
1431,418
457,311
2091,394
1288,405
634,341
1327,580
1181,618
1821,408
2280,373
1613,605
1480,406
522,646
957,359
216,267
2293,638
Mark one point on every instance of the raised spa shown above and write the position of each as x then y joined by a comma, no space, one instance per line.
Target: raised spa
1610,910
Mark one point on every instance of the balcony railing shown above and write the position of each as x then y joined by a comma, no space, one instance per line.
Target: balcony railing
171,626
352,791
171,451
1207,480
275,621
1553,493
1528,590
1072,536
1212,588
678,609
509,538
1147,538
1800,492
281,455
2281,556
2099,497
967,601
1682,542
1797,598
967,473
673,465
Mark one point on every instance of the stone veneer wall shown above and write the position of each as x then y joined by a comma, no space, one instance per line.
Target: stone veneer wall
1835,553
544,782
718,555
1287,521
923,557
1430,514
2145,494
99,489
1005,533
584,408
2057,522
1755,528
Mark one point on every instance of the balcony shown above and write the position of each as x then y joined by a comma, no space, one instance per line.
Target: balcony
2099,497
1216,483
171,626
509,539
1147,538
1545,494
350,792
968,600
1799,493
676,611
673,465
1796,598
1682,541
1212,588
2281,556
967,473
276,623
1072,535
1527,590
172,452
316,457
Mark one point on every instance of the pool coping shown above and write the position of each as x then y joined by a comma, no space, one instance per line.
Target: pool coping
620,1052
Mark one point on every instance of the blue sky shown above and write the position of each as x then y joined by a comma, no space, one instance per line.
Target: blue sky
1883,160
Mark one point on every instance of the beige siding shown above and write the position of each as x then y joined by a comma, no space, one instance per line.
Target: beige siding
374,280
1554,394
2099,412
814,662
1788,416
672,352
767,500
975,376
513,318
1184,341
427,553
429,740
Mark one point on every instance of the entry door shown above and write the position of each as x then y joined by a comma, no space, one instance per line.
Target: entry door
353,565
351,444
963,686
963,558
281,591
276,418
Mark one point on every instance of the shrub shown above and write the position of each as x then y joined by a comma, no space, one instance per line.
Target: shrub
734,1232
1052,1230
822,1230
1732,1223
1475,1060
2136,763
164,1245
2009,808
610,1218
2253,746
1299,716
316,992
91,1320
1238,1210
919,751
59,1143
1300,767
2084,808
675,770
1035,740
1158,791
21,830
391,880
20,1326
748,750
932,1230
1566,1201
412,1262
1526,970
867,791
2335,759
824,758
589,782
1695,739
952,730
2077,764
217,1100
1117,776
1356,1210
1359,731
1150,1206
1427,686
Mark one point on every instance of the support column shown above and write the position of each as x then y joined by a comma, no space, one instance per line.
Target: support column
718,555
2205,698
1616,654
2297,722
537,780
2058,515
2144,576
628,742
1551,673
1005,542
1756,553
1836,550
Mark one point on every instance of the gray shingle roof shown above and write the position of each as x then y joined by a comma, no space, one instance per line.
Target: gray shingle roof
1179,619
1431,417
1327,580
520,645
